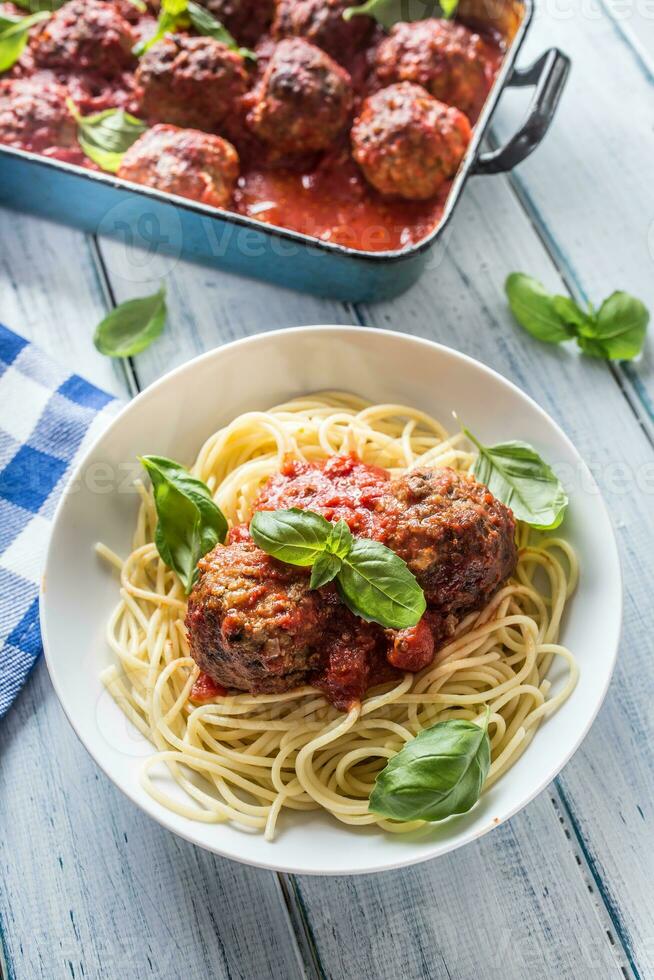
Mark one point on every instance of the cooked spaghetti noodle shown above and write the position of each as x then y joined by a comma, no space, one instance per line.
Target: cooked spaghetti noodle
246,758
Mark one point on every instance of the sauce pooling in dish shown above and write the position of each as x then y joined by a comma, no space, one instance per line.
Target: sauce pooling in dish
287,119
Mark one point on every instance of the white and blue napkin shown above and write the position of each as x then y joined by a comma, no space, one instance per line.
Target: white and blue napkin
47,418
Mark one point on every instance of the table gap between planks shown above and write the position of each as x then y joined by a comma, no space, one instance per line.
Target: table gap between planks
90,887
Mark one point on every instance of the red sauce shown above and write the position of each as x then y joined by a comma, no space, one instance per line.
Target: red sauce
335,204
326,198
339,488
205,689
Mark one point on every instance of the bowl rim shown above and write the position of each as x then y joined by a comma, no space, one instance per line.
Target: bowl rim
442,846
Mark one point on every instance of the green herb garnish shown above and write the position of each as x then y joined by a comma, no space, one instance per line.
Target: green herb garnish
374,582
189,523
14,34
439,773
106,136
183,14
616,331
516,475
391,12
132,326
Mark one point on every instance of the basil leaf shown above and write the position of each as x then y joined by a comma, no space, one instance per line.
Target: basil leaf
189,523
391,12
132,326
325,569
340,539
516,475
377,585
106,136
617,331
180,14
572,315
439,773
14,34
295,536
536,310
205,23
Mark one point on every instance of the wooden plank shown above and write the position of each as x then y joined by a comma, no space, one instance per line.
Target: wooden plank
607,788
634,20
51,290
88,885
589,190
535,892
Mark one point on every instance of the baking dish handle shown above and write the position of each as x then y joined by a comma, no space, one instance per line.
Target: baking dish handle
549,74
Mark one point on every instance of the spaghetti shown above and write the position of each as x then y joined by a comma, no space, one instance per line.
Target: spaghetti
246,758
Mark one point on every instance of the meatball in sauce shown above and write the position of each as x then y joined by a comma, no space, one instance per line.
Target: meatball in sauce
446,58
191,81
34,116
322,23
303,101
254,624
407,143
86,34
186,162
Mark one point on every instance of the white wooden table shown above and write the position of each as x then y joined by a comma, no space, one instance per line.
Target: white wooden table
89,887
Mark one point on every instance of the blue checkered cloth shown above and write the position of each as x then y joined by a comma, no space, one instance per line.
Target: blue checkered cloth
47,418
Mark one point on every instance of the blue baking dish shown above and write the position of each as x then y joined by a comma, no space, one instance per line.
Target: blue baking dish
162,223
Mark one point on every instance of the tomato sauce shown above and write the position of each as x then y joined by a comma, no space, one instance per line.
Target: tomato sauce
339,488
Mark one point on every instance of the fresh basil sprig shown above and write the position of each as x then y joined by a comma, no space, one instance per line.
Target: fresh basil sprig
189,523
391,12
516,475
106,136
374,582
181,14
14,34
439,773
132,326
614,332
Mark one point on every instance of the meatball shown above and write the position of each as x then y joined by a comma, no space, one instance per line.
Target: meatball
85,34
457,539
191,81
34,115
322,23
408,143
255,625
253,622
446,58
303,100
184,162
246,20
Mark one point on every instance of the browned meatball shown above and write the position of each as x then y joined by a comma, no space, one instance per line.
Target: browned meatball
253,623
86,34
191,81
322,23
246,20
34,115
303,100
448,59
185,162
408,143
455,536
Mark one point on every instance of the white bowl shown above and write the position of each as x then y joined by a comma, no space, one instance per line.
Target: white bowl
173,418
